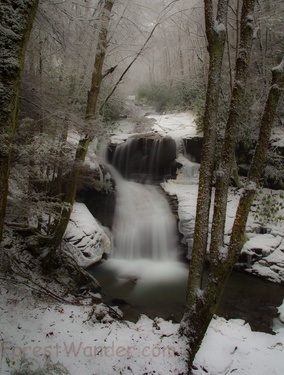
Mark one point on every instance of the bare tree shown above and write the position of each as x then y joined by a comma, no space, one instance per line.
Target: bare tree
203,294
86,138
16,24
216,43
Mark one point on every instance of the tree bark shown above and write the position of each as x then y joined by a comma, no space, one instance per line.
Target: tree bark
216,35
224,171
238,231
16,23
198,316
82,148
97,75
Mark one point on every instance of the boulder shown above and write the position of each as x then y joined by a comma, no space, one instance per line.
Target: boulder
85,240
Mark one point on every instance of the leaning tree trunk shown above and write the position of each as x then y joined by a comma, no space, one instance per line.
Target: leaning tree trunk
16,18
197,319
84,142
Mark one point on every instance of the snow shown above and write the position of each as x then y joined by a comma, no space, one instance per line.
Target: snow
219,28
84,238
231,347
277,138
281,312
176,125
87,339
279,68
267,243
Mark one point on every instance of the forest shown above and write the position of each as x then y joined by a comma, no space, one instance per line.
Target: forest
141,172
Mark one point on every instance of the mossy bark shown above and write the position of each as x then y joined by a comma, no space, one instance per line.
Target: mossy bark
205,300
16,23
224,171
216,44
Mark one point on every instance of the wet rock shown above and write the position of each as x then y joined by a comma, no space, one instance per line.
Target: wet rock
148,155
192,147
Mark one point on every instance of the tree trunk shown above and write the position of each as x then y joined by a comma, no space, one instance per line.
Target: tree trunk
97,75
198,316
16,23
216,41
224,171
82,148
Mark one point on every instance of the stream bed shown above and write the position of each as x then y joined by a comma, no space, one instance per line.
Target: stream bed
144,274
158,290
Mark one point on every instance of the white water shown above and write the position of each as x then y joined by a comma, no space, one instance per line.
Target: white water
144,227
144,269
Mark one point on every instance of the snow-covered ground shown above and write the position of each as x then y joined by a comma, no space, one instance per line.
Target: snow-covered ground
88,340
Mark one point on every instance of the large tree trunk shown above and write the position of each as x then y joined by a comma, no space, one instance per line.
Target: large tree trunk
16,23
216,35
224,171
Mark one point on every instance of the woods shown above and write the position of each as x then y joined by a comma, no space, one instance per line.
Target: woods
16,25
203,295
66,74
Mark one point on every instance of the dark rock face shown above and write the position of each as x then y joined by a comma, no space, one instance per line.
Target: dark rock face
96,189
145,157
101,204
192,147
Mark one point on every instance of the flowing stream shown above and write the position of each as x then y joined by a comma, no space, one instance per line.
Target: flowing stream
144,275
144,269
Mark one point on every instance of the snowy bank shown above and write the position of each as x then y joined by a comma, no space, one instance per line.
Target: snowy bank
87,340
84,238
264,252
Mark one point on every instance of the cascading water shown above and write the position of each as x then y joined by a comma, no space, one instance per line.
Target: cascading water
143,268
146,158
155,156
144,227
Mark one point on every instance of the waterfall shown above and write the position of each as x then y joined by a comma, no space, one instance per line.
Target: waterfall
155,156
144,268
144,226
145,158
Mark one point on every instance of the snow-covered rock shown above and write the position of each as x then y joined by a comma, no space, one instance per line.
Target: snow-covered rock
264,252
84,238
262,244
270,267
176,125
281,312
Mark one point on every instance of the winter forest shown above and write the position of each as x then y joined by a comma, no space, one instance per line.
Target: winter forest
142,187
